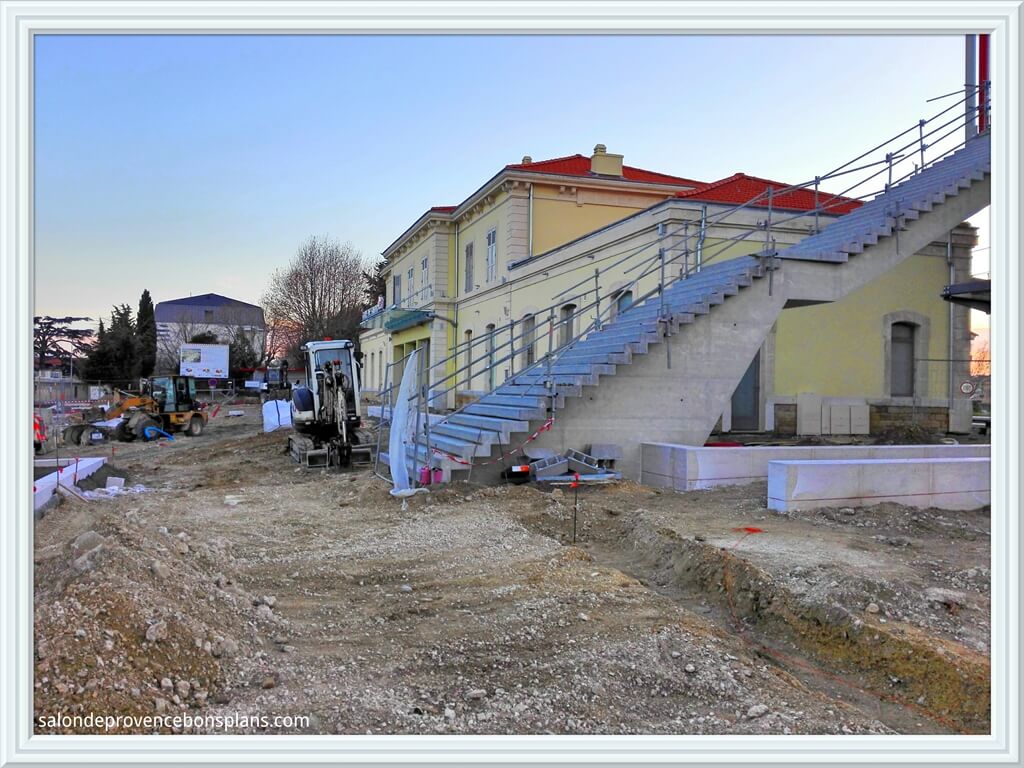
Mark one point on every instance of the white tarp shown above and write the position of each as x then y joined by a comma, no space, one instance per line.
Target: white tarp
276,414
403,427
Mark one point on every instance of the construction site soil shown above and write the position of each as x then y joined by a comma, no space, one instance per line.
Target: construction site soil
239,585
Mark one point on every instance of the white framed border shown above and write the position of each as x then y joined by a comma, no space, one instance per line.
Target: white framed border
20,20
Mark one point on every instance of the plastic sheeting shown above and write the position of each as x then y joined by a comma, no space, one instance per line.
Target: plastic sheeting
276,414
403,427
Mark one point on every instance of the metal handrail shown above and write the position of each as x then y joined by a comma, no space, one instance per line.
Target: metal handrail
831,201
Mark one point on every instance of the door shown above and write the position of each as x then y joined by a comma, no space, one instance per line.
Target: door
745,399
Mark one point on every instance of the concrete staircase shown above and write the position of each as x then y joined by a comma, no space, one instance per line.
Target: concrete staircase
653,377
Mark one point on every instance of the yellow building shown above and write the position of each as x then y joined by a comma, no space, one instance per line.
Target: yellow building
520,253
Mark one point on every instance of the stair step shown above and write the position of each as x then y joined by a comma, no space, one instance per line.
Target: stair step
504,412
477,435
562,391
501,427
464,449
515,400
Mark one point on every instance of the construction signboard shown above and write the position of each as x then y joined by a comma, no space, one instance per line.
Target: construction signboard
208,361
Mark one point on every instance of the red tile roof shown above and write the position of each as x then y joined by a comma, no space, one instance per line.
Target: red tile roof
579,165
739,188
442,209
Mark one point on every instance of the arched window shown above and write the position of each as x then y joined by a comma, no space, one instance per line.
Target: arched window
567,324
527,341
490,357
902,366
468,364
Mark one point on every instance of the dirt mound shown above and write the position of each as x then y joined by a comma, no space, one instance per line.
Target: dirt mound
131,619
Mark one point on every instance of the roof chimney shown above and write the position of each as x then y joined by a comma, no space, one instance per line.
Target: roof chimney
527,160
605,164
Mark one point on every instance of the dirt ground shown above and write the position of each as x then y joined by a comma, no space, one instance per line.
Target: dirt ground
239,585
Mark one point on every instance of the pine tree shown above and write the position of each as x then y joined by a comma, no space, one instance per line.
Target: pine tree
145,330
115,356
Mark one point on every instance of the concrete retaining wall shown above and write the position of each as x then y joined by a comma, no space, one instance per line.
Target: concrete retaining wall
67,472
690,468
941,483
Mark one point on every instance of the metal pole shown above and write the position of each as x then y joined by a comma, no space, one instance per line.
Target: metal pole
511,348
970,85
597,300
551,378
416,436
920,140
686,252
661,283
380,424
426,416
768,222
817,181
888,160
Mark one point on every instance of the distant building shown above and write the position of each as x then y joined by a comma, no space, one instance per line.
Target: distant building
178,321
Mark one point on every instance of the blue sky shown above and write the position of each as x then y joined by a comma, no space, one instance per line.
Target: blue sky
195,164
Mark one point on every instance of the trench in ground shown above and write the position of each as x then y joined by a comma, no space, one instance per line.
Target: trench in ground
913,682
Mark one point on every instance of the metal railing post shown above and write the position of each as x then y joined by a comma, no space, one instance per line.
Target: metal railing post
661,283
768,223
426,417
416,434
920,140
550,360
817,207
597,300
686,253
888,160
511,348
384,408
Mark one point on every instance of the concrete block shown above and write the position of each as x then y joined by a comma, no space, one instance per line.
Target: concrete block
808,414
839,419
943,483
860,419
691,468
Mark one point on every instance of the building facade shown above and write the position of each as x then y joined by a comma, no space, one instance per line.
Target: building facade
514,260
178,321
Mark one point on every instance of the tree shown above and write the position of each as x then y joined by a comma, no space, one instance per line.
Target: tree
321,293
54,336
242,354
376,283
980,357
145,328
116,355
204,337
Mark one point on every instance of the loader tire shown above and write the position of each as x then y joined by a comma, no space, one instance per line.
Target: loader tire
195,426
71,434
142,424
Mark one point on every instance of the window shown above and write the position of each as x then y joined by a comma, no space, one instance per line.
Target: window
396,289
469,267
208,314
490,356
529,351
492,255
425,273
902,369
567,324
623,302
468,365
411,277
